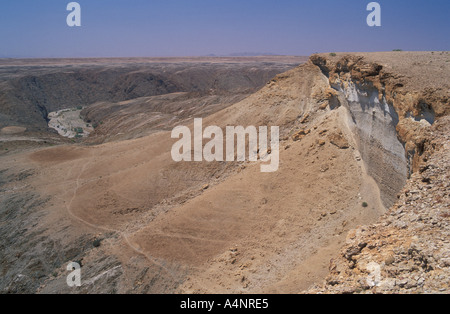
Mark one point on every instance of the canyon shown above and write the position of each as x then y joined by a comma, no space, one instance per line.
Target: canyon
361,134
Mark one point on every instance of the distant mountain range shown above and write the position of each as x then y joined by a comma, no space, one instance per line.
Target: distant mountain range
244,54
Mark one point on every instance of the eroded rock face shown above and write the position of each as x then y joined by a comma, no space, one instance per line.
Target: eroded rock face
412,110
374,123
391,122
408,250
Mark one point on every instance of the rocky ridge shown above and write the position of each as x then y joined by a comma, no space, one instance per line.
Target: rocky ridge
408,249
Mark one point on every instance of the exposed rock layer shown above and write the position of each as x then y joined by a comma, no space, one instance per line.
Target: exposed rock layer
408,250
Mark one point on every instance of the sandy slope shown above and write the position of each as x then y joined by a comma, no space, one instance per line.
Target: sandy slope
272,223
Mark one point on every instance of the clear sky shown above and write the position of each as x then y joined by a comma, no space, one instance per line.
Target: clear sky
120,28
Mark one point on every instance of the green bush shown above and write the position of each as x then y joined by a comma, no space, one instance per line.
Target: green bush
97,243
332,54
364,204
397,50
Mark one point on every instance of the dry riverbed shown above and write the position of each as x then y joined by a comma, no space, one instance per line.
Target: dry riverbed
69,123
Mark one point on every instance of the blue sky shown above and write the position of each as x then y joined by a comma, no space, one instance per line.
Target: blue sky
120,28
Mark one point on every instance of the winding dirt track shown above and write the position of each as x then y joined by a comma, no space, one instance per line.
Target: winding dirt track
105,229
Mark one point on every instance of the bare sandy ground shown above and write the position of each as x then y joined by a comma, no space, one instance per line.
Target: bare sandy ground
11,130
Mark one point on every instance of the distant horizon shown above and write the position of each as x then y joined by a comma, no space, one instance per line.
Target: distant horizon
219,56
200,28
232,55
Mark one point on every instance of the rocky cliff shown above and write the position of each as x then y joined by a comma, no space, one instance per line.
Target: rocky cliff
408,250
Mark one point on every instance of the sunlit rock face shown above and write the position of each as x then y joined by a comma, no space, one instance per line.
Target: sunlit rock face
374,122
